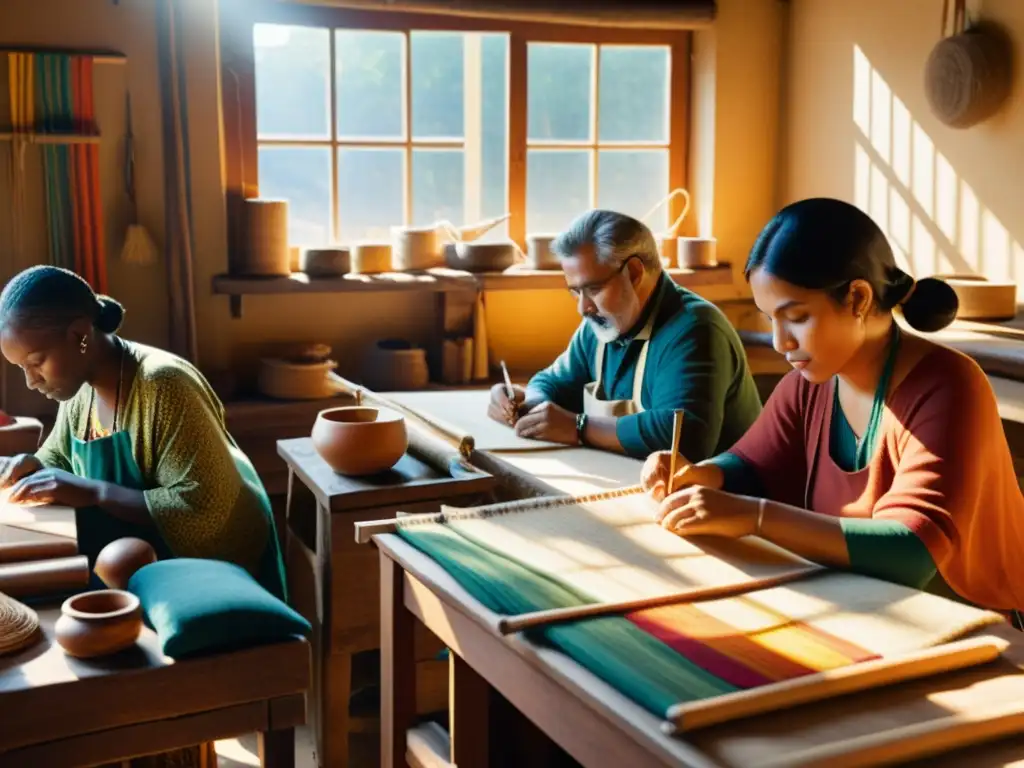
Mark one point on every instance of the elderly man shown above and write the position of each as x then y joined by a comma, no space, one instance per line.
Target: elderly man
645,348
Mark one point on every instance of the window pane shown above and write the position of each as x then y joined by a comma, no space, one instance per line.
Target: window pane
437,186
293,89
370,70
302,176
559,80
633,182
557,188
370,193
437,84
634,93
494,126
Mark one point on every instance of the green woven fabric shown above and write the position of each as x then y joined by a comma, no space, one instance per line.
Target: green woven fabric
614,649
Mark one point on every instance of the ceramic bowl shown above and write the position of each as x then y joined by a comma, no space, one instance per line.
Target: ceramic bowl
360,440
99,623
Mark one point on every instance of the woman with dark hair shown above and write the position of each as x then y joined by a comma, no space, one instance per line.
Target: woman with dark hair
883,452
139,447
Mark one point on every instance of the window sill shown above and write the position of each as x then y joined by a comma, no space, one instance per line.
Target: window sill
440,280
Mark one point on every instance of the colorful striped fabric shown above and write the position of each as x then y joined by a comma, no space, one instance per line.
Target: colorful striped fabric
657,657
54,94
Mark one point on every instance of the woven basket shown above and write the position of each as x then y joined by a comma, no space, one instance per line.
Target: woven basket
286,380
969,74
19,625
265,251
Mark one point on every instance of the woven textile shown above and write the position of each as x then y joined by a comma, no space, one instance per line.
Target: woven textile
679,653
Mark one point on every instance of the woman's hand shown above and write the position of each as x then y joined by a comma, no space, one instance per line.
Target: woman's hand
55,486
503,409
654,475
698,511
13,468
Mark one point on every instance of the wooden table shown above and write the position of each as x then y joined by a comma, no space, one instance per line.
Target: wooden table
600,727
59,711
595,724
334,582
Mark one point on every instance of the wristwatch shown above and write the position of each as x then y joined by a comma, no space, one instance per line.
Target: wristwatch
581,425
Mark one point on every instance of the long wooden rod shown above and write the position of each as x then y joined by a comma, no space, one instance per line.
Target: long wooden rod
511,624
860,676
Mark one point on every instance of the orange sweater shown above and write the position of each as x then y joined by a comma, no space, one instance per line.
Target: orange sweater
942,467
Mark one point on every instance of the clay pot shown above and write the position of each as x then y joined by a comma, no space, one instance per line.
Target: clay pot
360,440
99,623
119,560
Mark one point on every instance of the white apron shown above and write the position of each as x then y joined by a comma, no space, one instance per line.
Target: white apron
593,405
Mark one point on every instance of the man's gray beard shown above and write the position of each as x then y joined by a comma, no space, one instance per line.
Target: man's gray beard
605,333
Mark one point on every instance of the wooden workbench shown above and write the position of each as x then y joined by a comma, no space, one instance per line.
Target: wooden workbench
598,726
60,711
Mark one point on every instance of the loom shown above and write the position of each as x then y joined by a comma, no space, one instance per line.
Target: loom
696,632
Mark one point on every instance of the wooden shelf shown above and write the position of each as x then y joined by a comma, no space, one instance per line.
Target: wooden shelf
433,280
519,279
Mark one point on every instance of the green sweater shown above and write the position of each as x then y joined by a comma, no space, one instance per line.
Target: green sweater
695,361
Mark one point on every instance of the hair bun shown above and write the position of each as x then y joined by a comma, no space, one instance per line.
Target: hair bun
110,314
931,306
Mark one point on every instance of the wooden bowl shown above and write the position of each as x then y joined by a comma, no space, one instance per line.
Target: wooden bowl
120,559
99,623
480,257
360,440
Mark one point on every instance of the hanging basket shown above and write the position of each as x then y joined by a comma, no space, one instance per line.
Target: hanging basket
969,74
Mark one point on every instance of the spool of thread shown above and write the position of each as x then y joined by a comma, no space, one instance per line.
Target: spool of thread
696,252
265,238
371,258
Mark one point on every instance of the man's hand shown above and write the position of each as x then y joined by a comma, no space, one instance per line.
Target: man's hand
55,486
501,408
547,421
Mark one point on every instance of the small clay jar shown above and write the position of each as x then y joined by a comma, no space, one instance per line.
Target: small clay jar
98,623
359,440
120,559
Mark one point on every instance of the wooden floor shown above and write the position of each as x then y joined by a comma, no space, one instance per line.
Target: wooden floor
364,751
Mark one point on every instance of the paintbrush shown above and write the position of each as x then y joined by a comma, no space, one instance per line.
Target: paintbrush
677,430
509,391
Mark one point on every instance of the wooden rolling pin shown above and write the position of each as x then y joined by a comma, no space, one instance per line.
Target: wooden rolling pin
41,577
39,549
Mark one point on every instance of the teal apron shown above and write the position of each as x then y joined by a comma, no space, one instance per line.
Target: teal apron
111,459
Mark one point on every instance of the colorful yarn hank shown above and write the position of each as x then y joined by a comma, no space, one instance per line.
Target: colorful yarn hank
76,232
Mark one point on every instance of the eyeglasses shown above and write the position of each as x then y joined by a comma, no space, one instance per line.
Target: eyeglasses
590,291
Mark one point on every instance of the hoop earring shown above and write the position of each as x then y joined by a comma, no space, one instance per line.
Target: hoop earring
83,345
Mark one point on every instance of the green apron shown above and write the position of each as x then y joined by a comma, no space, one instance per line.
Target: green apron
111,459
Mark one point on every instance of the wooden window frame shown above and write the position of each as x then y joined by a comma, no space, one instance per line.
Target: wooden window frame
238,90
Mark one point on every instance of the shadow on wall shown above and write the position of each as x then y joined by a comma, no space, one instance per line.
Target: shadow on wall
932,217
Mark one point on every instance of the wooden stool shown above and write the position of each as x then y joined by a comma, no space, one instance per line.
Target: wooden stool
335,582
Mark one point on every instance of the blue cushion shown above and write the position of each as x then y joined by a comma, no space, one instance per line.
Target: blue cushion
198,606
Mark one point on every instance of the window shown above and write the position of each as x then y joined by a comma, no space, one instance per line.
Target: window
368,119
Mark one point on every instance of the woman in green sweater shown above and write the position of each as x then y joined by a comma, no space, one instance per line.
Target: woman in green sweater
139,446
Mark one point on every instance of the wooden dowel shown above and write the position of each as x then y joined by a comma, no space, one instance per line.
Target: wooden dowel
52,138
896,746
836,682
367,529
677,430
509,624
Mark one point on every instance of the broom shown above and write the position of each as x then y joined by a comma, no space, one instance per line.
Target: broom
139,247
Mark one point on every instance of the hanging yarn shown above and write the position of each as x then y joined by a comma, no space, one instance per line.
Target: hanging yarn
52,95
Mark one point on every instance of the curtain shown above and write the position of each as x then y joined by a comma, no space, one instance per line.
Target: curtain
179,243
644,14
